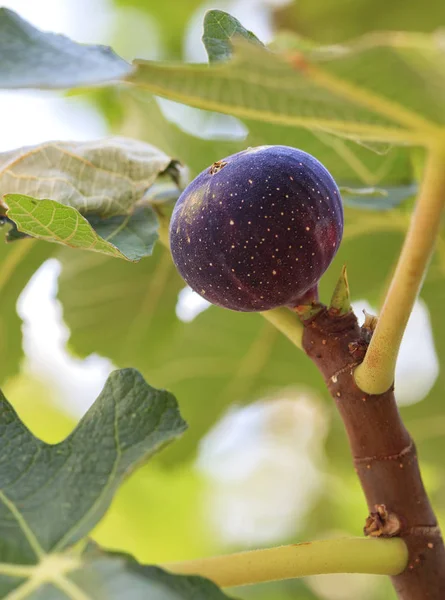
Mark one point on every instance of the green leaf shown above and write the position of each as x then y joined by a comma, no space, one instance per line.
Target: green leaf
87,194
30,58
372,90
133,236
51,496
105,177
219,29
55,494
18,262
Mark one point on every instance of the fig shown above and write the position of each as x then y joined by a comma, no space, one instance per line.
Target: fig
257,230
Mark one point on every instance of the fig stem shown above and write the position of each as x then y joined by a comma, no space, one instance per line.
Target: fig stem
376,374
342,555
287,322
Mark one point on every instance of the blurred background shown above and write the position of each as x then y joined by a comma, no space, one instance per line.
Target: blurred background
265,461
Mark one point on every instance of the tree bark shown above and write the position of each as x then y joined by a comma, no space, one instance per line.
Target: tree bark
384,455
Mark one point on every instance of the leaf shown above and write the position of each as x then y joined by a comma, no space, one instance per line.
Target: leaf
18,262
219,29
55,494
30,58
371,91
143,519
133,235
51,496
105,177
87,194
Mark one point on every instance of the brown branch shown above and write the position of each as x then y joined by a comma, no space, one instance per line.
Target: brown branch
384,456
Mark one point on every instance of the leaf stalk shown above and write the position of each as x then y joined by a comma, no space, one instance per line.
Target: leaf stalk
342,555
376,374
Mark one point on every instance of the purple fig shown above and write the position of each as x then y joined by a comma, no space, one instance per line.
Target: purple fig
258,229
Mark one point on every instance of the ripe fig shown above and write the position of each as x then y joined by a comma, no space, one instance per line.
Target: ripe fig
258,229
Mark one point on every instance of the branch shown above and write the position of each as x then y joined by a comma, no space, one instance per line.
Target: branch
384,455
376,374
348,555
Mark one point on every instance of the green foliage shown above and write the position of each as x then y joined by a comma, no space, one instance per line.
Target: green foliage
53,496
30,58
319,88
94,188
52,221
69,486
352,165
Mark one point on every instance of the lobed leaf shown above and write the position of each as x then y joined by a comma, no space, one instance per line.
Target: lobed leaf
55,494
51,496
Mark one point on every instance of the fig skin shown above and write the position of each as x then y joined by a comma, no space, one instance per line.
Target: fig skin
258,229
